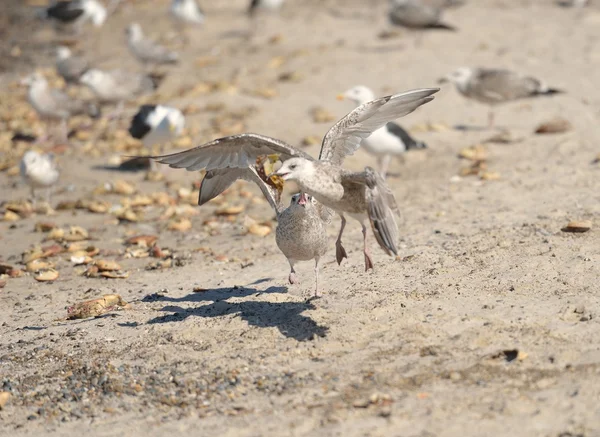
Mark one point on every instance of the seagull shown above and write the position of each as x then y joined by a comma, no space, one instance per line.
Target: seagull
39,171
494,86
76,12
52,104
117,85
147,51
301,233
360,195
156,125
70,67
417,14
270,5
390,140
187,11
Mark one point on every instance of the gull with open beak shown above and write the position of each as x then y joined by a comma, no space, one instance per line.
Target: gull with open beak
360,195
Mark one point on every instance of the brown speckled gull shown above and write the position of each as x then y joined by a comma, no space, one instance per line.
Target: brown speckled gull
359,195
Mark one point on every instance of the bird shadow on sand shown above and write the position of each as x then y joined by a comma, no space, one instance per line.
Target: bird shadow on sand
285,316
130,166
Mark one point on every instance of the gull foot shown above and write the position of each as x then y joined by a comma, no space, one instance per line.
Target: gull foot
340,253
368,263
293,279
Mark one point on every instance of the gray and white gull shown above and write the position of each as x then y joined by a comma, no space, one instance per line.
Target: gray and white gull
70,67
39,171
361,195
145,50
54,105
495,86
417,14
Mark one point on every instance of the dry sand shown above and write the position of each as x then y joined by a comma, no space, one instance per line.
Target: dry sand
487,325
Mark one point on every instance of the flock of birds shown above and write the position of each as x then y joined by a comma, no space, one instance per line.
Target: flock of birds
326,188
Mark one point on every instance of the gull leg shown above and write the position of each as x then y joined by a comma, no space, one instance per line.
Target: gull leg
385,163
490,119
368,261
317,277
292,278
340,252
33,197
64,130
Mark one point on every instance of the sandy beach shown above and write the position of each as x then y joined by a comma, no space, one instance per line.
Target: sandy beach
486,324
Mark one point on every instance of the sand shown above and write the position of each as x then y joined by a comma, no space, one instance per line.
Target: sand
486,325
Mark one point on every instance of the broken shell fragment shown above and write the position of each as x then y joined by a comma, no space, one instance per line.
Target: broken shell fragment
47,275
107,265
96,307
142,240
578,226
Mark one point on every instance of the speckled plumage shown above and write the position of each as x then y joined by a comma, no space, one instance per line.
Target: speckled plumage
230,158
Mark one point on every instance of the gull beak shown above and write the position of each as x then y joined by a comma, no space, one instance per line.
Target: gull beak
340,97
303,200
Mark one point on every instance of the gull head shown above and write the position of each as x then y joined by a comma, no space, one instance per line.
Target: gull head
31,158
295,169
63,52
303,200
92,78
134,32
359,94
176,122
34,80
459,77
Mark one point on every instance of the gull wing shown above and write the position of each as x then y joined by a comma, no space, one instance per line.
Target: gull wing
236,151
218,180
383,211
345,136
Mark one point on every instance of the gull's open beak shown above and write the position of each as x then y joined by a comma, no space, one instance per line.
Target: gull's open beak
442,80
340,97
303,199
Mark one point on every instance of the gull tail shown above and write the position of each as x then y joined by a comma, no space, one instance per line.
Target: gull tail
382,211
549,92
442,26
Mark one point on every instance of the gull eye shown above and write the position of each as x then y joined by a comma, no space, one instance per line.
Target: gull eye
293,166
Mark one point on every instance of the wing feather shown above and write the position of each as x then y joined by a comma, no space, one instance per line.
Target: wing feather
345,136
218,180
236,151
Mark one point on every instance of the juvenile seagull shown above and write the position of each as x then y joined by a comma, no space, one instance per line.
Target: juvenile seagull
301,232
70,67
187,11
38,171
270,5
494,86
76,12
390,140
359,194
417,14
147,51
156,125
52,104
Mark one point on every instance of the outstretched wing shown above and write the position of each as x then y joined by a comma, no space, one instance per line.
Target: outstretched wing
346,135
236,151
383,211
218,180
